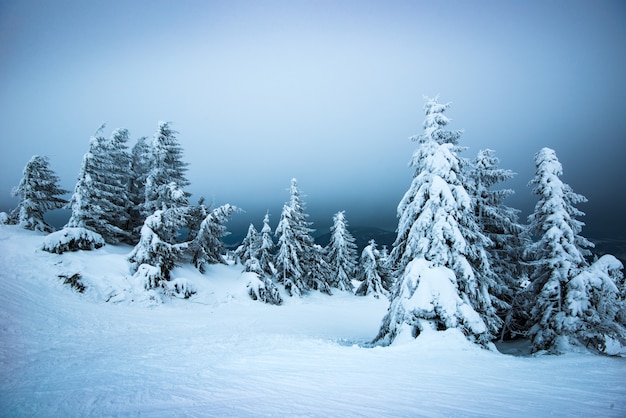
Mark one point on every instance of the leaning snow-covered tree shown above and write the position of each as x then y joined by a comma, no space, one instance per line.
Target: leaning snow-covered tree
500,224
167,166
297,255
341,254
38,192
439,246
557,256
158,246
207,247
372,273
100,202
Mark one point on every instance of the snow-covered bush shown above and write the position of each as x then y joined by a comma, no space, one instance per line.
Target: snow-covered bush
427,297
180,288
72,239
4,218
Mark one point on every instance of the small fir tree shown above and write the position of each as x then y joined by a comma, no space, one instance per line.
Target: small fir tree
341,254
207,247
38,192
372,273
250,246
266,252
296,258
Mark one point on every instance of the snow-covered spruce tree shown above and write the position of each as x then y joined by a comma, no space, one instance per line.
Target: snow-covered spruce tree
557,256
266,252
167,166
207,247
371,272
100,202
250,246
297,258
439,250
341,254
38,192
260,285
157,246
139,168
500,224
595,306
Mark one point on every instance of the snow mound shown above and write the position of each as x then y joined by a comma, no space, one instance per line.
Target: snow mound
72,239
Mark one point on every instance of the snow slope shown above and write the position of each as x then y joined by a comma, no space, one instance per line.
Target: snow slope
221,354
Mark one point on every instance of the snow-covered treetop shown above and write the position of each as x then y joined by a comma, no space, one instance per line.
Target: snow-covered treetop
435,122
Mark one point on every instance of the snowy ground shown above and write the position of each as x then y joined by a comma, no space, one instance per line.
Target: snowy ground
65,354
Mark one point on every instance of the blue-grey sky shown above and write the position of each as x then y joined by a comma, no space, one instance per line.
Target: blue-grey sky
327,92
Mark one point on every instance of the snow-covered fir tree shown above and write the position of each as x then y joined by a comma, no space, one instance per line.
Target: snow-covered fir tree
557,257
139,168
207,247
100,202
266,252
167,166
260,285
341,254
437,226
372,272
250,246
39,192
500,224
158,246
297,258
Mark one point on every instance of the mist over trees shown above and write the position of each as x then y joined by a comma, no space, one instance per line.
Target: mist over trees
461,258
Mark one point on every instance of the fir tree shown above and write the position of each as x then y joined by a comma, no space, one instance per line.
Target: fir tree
266,257
38,192
250,246
207,247
99,202
139,168
167,166
437,224
559,254
341,254
500,224
372,273
296,256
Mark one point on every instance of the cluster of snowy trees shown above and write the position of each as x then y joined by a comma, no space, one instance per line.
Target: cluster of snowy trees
461,258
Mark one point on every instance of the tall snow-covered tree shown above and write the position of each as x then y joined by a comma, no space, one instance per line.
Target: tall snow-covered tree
297,256
372,272
167,166
100,202
437,225
341,254
207,247
500,224
39,192
266,252
559,253
139,168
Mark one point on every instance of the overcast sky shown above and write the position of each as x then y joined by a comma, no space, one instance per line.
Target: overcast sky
327,92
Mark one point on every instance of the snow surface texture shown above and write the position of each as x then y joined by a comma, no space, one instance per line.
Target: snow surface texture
219,353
